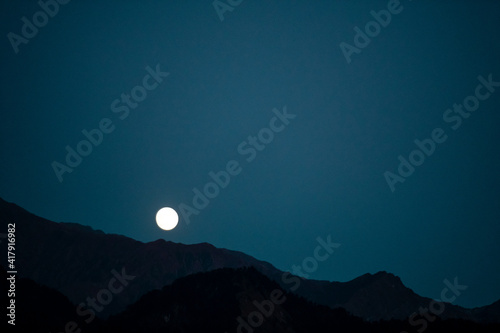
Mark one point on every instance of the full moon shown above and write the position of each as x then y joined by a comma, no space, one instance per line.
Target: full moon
167,218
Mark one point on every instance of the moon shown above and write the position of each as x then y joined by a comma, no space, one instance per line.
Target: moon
167,218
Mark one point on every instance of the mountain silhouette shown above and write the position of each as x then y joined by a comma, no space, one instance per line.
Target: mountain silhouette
228,300
39,308
82,263
245,301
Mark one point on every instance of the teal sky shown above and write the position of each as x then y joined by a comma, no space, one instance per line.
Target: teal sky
322,174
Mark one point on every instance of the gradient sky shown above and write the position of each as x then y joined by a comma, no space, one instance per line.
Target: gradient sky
322,175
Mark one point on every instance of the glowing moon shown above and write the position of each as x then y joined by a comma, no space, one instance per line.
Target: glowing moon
167,218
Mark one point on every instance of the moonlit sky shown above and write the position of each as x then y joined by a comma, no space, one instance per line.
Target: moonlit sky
322,175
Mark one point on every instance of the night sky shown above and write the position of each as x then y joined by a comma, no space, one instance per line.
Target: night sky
346,114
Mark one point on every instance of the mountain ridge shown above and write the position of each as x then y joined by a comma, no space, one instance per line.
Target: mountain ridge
223,300
78,261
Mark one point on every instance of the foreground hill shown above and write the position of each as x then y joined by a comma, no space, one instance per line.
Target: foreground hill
224,300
